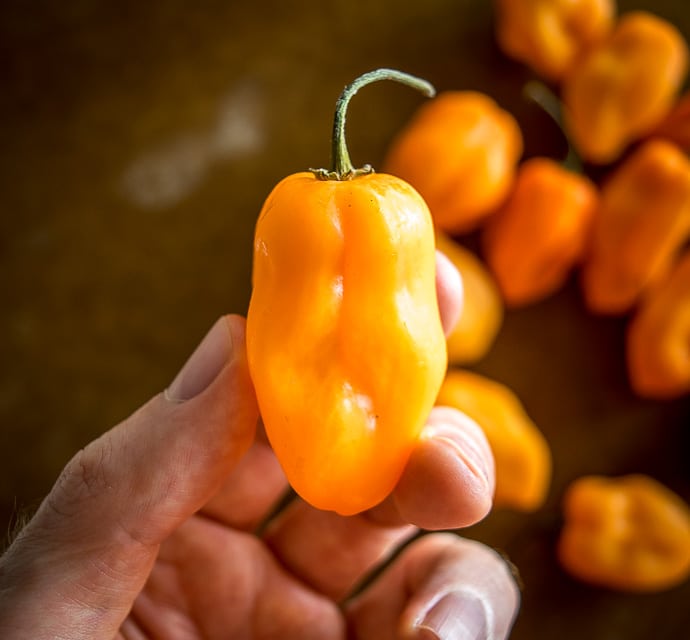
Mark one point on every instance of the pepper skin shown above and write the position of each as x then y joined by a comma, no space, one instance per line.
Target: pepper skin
541,231
642,222
482,309
459,151
551,35
658,337
625,87
344,336
521,454
629,533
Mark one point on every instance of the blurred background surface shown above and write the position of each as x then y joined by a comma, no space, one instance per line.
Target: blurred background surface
138,142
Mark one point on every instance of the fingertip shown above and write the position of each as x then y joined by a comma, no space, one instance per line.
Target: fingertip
449,291
204,364
464,589
440,586
449,480
236,325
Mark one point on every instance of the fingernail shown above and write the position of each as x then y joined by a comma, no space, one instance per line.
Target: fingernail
456,615
204,365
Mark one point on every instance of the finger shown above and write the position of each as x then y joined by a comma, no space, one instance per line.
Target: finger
95,536
449,480
449,292
329,552
131,631
447,483
233,587
441,586
255,485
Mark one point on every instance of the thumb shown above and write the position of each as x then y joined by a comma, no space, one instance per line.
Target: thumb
87,552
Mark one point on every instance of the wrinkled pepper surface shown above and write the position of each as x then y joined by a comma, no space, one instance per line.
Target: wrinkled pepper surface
623,88
551,35
541,231
642,221
344,338
459,151
482,308
658,338
629,533
521,453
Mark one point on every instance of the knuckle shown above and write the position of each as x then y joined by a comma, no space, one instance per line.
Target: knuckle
83,479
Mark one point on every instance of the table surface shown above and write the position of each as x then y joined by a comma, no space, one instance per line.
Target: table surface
138,143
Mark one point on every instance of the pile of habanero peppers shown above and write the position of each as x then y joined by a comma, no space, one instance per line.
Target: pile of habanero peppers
616,80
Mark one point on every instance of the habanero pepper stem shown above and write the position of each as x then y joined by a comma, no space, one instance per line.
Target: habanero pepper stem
342,168
544,98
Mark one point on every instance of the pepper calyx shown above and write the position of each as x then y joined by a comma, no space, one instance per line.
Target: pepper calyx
325,174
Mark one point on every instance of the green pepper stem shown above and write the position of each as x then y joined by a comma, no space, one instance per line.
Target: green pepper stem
342,168
541,95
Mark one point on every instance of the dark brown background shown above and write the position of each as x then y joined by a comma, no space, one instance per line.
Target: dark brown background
138,141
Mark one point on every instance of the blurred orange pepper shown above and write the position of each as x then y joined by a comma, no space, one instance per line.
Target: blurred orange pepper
622,89
676,125
658,339
550,35
482,308
521,454
344,338
629,533
642,221
541,231
459,151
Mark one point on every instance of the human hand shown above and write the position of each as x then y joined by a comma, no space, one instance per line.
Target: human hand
150,531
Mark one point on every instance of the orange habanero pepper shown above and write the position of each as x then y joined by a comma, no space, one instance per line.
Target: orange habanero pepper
658,338
521,454
482,308
629,533
459,151
622,89
550,35
344,337
541,231
642,222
